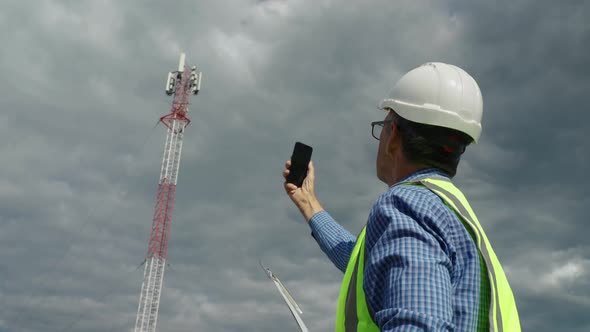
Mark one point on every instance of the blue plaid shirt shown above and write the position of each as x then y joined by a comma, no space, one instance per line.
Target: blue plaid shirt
422,271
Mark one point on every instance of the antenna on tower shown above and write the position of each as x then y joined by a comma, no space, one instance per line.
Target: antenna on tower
181,83
181,62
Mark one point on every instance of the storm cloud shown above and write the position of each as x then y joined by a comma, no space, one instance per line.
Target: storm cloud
82,90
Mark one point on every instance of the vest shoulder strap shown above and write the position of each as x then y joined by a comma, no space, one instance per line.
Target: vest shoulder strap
503,315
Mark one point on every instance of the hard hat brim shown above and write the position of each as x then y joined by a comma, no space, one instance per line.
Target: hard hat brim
433,115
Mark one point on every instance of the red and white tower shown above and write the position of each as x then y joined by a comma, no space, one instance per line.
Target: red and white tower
181,83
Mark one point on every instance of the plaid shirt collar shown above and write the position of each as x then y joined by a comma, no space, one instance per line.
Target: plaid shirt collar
428,172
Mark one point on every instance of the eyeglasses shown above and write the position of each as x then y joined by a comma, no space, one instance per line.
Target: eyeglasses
377,127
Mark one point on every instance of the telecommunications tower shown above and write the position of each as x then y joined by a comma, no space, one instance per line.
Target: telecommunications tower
181,83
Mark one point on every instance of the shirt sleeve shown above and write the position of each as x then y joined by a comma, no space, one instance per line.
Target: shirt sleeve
407,279
335,241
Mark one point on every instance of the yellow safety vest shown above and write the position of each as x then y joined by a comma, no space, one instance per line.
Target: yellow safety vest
353,313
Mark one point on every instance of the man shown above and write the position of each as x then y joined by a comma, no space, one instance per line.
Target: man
422,262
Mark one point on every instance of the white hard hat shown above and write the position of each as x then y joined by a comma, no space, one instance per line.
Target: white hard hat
441,95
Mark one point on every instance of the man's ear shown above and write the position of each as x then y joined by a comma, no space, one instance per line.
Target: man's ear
394,140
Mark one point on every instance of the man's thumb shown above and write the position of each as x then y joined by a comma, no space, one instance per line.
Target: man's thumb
311,171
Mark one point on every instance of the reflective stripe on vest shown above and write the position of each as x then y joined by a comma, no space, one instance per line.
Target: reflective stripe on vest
353,313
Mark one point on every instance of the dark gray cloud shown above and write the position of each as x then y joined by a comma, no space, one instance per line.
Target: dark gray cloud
82,85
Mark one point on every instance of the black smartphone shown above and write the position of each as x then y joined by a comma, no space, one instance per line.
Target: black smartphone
299,161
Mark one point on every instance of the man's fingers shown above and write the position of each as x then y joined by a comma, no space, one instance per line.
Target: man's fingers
288,164
290,187
286,173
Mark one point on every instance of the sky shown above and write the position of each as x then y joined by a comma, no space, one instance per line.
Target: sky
83,88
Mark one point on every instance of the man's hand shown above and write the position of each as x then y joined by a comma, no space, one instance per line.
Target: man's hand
303,197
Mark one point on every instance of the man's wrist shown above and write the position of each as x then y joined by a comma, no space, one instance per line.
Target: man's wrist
311,208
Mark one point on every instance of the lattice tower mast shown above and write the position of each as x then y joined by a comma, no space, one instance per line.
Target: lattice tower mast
181,83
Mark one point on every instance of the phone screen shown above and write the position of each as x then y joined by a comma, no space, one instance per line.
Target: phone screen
299,161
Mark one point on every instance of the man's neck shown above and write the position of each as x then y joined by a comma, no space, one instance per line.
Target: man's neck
402,172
